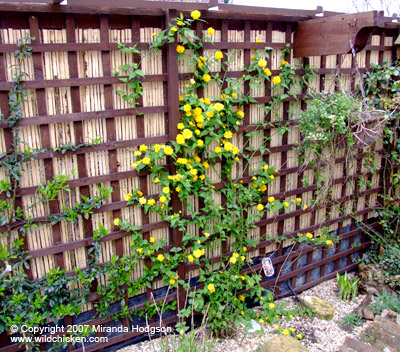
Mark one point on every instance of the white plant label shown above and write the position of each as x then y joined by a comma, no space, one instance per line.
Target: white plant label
268,267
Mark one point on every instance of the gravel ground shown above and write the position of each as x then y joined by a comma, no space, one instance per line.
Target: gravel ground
318,335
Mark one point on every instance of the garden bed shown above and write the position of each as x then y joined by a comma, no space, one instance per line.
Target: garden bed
317,335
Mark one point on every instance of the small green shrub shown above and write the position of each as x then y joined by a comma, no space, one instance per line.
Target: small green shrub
386,301
351,320
191,342
348,288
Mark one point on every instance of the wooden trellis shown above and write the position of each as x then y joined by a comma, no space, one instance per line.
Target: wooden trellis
72,97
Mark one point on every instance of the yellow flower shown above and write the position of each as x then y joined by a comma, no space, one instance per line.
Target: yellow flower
235,255
271,199
206,77
177,189
180,139
228,134
211,31
192,82
206,165
261,321
271,306
187,108
166,190
179,23
198,253
276,80
180,49
142,200
244,249
200,143
258,41
329,242
240,113
193,172
137,153
233,260
211,288
284,62
168,150
157,148
286,332
128,197
143,148
218,150
146,161
219,55
260,207
291,329
267,71
242,298
174,29
151,202
202,177
305,207
152,240
190,258
187,134
181,97
154,34
272,177
163,199
195,14
160,257
286,204
218,106
171,281
139,250
206,234
181,126
241,312
299,336
197,159
228,146
156,180
309,235
116,221
262,63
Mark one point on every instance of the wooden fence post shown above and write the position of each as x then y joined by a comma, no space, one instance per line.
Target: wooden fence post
173,120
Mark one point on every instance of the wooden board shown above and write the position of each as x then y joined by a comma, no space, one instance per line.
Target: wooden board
332,35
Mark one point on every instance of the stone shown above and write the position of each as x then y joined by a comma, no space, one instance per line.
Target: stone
283,343
358,346
364,310
373,280
321,308
392,316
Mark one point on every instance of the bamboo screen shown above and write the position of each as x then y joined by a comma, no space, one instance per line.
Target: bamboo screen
72,98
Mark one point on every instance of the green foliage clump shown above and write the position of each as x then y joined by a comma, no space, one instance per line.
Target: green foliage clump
385,301
348,288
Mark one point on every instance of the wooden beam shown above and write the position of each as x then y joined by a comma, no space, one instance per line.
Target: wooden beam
33,1
332,35
397,44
